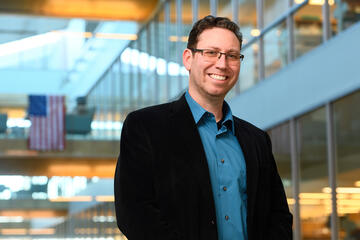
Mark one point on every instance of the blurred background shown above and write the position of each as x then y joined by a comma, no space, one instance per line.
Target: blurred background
299,81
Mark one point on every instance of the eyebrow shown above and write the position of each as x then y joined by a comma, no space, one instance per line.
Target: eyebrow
218,49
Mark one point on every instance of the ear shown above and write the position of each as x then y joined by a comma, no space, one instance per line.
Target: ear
187,58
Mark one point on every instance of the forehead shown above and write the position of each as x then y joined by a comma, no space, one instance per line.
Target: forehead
216,37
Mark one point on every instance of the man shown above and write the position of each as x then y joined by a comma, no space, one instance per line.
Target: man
189,169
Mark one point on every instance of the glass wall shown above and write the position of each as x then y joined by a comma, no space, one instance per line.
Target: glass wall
249,70
174,52
225,8
185,30
280,138
204,8
57,207
151,66
249,73
344,13
308,30
162,40
314,205
312,155
247,18
276,48
273,9
347,138
153,50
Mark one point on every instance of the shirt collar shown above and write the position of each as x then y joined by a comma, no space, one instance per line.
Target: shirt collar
198,111
228,115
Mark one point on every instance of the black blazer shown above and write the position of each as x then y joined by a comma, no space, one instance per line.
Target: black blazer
162,182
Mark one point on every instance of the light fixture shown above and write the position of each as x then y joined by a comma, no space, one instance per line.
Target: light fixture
13,231
310,201
255,47
104,219
320,2
105,198
299,1
315,196
342,190
74,34
119,36
42,231
11,219
357,184
25,44
175,38
315,2
291,201
255,32
349,202
72,199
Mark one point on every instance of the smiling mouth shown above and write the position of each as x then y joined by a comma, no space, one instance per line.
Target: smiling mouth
217,77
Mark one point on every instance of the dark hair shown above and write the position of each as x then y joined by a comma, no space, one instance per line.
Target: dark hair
209,22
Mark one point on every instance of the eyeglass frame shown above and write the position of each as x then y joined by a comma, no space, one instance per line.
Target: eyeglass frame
218,53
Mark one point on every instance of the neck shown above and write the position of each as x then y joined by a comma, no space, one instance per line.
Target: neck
211,104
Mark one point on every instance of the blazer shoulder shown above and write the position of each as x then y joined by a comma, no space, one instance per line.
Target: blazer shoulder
152,118
152,112
249,127
246,124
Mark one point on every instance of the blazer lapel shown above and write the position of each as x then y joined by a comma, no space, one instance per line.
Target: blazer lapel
185,129
246,142
186,135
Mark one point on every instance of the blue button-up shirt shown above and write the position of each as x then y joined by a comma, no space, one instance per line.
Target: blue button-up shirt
227,170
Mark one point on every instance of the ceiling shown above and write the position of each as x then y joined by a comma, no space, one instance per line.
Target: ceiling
18,26
130,10
23,19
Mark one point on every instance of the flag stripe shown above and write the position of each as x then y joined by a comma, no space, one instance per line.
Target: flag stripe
48,132
42,135
51,123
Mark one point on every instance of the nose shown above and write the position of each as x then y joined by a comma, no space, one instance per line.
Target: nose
221,61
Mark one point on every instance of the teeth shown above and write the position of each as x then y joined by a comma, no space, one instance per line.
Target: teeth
217,77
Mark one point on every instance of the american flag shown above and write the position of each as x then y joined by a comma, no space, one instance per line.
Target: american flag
47,116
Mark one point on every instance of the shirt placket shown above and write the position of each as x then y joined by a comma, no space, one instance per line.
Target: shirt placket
223,188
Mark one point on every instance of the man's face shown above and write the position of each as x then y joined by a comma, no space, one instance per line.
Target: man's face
212,78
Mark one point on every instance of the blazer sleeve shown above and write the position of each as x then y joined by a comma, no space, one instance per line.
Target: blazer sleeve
280,224
137,211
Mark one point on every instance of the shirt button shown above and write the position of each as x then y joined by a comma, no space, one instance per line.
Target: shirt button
226,217
222,160
212,222
224,188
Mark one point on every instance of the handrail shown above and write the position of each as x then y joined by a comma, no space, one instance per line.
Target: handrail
152,16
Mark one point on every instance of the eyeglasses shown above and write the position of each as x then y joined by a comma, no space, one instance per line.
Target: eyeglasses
211,55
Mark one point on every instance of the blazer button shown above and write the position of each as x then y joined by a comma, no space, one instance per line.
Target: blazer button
224,188
212,222
226,217
222,160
